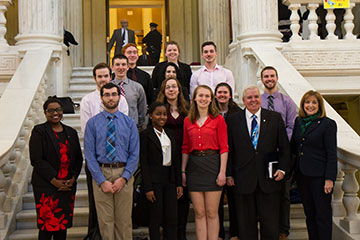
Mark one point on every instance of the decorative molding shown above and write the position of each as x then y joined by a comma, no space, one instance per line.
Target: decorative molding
8,64
323,60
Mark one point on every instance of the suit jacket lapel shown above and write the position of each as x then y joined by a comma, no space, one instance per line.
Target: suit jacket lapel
244,128
263,125
53,139
154,139
312,126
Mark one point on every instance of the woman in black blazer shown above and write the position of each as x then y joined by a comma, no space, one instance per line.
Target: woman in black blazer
160,168
226,105
172,52
314,145
56,156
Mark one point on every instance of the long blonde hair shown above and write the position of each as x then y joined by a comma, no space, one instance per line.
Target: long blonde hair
194,112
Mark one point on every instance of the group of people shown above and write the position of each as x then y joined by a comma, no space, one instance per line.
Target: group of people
153,40
198,145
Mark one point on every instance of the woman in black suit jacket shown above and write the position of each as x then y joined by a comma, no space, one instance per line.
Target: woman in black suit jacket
226,105
55,154
160,168
172,52
314,144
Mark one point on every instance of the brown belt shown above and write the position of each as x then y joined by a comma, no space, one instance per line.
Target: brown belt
112,165
207,152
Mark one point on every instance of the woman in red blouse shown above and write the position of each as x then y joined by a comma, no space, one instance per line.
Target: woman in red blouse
205,152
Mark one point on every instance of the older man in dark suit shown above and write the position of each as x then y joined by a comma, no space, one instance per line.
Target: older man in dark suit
257,140
122,37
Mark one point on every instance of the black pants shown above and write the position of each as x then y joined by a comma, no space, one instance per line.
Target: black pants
183,213
233,230
285,208
254,207
57,235
163,212
93,220
317,207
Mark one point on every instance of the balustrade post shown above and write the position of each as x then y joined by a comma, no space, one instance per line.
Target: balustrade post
349,22
351,223
313,26
4,4
330,24
294,19
3,216
337,204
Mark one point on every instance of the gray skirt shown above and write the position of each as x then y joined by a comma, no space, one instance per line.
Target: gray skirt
201,173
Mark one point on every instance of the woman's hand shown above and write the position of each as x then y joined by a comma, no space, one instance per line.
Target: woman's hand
70,182
183,175
60,184
151,196
179,191
221,179
329,184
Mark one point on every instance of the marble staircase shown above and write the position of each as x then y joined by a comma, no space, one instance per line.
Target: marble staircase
81,83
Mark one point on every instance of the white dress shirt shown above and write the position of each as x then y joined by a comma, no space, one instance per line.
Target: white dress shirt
165,146
91,105
249,119
211,78
126,40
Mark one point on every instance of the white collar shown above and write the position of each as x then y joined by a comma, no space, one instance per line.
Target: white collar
249,114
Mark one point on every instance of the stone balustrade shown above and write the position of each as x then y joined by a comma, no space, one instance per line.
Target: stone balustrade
331,20
22,100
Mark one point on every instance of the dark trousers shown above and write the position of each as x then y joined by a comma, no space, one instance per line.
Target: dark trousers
233,230
254,207
285,208
163,212
57,235
183,213
317,207
93,220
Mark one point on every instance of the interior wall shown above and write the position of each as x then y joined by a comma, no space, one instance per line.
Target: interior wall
12,23
94,29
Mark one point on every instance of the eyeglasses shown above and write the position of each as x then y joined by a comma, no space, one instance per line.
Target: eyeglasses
52,110
114,94
171,86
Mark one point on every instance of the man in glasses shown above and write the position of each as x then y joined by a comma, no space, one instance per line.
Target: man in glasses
111,148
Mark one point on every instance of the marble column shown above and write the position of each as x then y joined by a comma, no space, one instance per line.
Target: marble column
235,22
73,23
214,25
4,4
259,21
40,22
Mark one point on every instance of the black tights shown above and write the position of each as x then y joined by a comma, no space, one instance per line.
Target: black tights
57,235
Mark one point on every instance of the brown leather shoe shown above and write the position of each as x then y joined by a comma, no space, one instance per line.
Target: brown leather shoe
283,236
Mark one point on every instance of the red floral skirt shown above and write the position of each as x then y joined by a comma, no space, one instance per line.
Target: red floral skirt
54,209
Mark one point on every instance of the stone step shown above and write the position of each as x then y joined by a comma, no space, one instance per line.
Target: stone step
81,199
26,219
74,233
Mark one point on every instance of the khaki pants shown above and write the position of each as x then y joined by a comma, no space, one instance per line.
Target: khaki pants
114,210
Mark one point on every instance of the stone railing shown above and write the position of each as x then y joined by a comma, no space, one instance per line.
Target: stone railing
345,199
331,20
21,104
